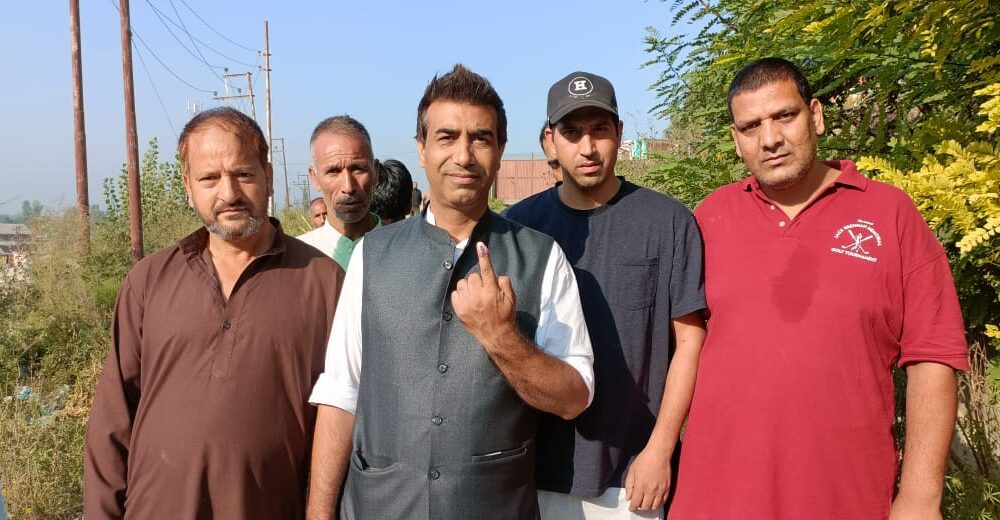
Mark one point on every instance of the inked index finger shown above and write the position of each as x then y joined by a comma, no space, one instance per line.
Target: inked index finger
486,265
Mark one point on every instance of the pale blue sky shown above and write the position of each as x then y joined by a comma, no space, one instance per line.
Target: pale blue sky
369,59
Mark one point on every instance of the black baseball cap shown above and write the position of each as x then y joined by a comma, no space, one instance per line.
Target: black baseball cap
578,90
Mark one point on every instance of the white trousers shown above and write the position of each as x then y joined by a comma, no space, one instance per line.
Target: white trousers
612,505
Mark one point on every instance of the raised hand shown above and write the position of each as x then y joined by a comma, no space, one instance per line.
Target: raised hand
484,302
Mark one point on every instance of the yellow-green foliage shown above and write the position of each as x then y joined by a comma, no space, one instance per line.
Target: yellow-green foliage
958,187
991,108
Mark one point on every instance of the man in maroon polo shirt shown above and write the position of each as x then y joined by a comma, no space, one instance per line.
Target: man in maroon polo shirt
818,280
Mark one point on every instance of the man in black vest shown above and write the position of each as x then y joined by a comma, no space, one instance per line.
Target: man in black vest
425,415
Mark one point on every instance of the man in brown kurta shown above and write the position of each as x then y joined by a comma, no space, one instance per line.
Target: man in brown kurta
201,410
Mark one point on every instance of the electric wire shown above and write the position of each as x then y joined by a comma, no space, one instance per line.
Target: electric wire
256,69
214,30
172,73
183,27
156,92
200,57
157,58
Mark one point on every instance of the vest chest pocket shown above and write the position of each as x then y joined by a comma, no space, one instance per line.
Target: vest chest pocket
368,489
500,455
633,285
371,465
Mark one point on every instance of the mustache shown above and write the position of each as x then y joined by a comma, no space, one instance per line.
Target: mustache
240,203
476,170
347,199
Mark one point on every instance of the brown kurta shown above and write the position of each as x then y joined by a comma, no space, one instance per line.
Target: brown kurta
201,411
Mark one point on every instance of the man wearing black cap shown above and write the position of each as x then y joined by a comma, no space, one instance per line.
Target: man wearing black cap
637,258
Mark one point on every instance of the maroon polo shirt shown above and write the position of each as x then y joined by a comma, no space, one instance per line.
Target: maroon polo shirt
793,407
201,410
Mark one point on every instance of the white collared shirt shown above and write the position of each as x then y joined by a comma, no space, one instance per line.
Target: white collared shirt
561,331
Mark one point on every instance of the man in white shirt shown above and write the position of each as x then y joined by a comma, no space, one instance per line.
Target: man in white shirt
443,412
344,169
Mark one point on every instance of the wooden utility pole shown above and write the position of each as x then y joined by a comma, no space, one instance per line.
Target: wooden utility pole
131,139
267,100
79,133
284,166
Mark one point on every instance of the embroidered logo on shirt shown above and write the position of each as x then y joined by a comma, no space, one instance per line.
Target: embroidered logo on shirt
858,240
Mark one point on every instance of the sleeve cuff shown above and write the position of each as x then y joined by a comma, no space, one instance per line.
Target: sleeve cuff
958,362
329,392
585,368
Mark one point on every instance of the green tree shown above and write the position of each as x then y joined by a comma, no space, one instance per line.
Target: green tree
30,209
896,77
165,218
163,199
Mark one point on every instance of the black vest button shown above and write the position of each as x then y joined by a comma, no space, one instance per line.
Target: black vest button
434,474
442,368
448,265
437,420
446,316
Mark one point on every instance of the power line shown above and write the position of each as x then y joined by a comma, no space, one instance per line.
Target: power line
182,27
200,57
214,30
256,67
174,74
155,91
164,65
193,39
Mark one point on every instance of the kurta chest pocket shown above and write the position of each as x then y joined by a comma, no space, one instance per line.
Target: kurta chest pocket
634,282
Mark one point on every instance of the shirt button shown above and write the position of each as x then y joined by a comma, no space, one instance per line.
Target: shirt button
442,368
434,474
772,206
448,265
226,325
781,224
437,420
447,316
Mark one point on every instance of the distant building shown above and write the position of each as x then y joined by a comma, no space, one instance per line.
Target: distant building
641,148
13,244
522,178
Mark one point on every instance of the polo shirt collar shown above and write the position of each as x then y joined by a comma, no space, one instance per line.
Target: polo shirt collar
849,174
849,177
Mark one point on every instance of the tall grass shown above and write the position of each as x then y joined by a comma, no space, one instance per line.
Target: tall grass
52,340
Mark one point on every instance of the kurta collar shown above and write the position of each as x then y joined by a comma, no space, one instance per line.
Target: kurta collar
194,244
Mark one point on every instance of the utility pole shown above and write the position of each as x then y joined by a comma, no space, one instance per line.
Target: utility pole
284,166
239,92
79,133
253,106
267,100
131,139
